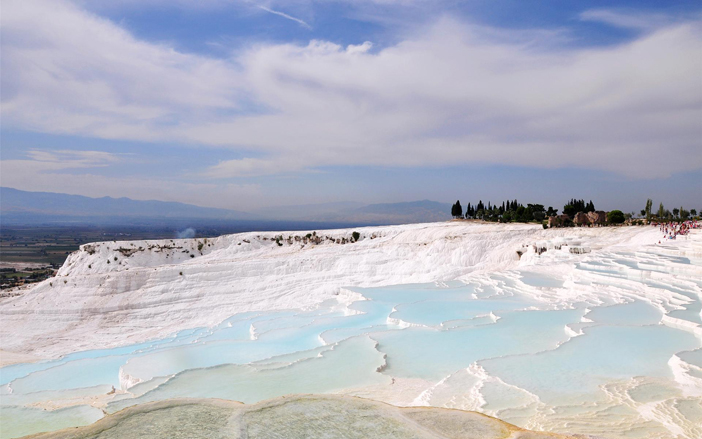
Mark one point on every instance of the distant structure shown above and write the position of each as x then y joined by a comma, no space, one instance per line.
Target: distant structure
598,217
595,218
558,220
581,219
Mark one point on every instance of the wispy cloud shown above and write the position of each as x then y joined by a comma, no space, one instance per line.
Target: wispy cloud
254,167
284,15
626,19
246,167
70,159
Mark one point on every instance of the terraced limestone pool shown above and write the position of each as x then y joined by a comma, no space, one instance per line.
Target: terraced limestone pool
611,348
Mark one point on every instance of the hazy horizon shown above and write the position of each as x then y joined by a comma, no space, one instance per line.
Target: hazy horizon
275,212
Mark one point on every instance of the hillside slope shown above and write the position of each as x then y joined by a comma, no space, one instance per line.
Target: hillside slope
116,293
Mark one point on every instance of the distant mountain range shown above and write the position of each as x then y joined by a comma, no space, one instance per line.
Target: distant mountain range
22,207
14,202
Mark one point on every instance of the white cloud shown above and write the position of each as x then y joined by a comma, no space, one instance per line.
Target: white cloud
359,48
450,94
67,71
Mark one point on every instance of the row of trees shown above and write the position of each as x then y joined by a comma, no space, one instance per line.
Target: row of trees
513,210
510,210
664,214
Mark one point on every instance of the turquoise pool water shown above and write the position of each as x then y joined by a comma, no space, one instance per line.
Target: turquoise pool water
500,343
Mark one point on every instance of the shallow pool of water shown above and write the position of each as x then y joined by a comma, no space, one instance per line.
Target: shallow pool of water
518,344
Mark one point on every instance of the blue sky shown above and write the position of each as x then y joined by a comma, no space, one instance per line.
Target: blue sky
246,104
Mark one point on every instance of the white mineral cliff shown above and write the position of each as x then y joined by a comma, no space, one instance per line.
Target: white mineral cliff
116,293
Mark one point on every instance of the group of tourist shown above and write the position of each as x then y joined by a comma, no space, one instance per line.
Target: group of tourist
671,230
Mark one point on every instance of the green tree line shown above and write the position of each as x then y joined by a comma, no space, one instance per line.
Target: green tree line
514,211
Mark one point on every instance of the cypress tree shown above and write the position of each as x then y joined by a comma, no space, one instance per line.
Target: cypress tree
649,205
456,210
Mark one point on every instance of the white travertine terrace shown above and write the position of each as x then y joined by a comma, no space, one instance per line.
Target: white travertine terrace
606,286
116,293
